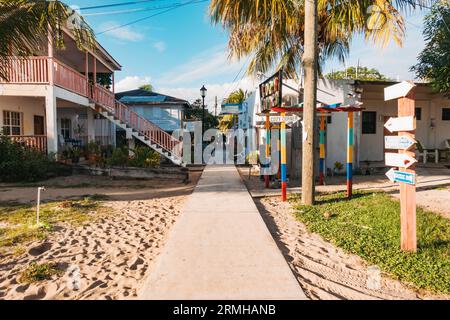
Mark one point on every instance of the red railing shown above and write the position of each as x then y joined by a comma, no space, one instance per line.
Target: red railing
103,96
69,79
27,70
148,129
35,142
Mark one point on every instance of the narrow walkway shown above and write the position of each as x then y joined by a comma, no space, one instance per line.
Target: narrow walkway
220,248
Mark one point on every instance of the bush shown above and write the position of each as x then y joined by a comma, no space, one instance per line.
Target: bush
119,157
144,157
21,163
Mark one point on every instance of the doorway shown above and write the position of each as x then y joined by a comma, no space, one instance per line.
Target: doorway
39,125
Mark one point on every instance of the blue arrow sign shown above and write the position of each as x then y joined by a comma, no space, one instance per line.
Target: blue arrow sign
401,176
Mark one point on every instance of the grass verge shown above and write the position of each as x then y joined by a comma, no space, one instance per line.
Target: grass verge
18,221
368,225
37,272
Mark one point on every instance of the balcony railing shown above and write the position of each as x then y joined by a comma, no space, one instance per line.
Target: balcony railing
69,79
37,142
28,70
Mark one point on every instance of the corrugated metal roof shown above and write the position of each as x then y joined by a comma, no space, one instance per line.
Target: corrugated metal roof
134,99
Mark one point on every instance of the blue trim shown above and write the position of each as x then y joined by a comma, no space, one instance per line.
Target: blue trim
349,171
321,165
283,172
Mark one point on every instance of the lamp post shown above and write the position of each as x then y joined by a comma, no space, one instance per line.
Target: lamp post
203,94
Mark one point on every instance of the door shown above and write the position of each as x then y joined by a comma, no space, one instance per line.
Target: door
39,125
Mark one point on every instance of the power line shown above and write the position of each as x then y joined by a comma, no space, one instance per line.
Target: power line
117,4
153,15
131,10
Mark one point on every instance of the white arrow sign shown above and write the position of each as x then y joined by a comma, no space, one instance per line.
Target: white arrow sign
288,119
398,90
398,142
401,124
399,160
401,176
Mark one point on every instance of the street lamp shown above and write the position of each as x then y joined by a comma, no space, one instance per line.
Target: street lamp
203,94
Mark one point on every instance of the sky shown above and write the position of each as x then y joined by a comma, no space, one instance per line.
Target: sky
180,50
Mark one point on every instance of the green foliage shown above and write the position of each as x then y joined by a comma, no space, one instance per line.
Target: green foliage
19,163
434,60
38,272
195,112
119,157
369,225
237,96
144,157
146,87
363,73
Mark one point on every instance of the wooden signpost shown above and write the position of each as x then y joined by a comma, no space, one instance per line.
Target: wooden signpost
404,160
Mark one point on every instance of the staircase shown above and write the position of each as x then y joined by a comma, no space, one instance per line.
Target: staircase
104,102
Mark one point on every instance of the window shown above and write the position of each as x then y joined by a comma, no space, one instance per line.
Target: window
12,123
446,114
418,113
369,122
66,128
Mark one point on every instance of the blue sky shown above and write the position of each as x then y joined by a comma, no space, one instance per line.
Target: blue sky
179,51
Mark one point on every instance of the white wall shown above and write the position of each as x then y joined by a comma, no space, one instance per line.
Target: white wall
28,106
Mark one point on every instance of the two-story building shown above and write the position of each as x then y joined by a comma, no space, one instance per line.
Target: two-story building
60,97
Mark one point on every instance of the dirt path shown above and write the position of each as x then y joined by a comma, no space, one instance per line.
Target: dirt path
323,270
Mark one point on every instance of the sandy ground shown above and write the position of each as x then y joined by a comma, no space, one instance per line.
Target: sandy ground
323,270
105,259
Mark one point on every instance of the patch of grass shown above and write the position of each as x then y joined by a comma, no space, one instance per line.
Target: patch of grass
18,221
368,225
39,272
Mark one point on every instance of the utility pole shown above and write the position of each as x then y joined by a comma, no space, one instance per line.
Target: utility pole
310,95
215,108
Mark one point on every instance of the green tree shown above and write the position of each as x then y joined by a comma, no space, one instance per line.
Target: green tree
25,23
237,96
271,31
434,60
363,73
146,87
195,113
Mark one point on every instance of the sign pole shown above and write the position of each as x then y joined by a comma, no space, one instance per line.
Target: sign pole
283,159
349,154
266,176
406,107
322,150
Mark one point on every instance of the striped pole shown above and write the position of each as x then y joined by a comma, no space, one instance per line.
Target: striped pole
322,150
266,176
349,154
283,157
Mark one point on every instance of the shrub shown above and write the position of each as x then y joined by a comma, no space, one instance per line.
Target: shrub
144,157
21,163
119,157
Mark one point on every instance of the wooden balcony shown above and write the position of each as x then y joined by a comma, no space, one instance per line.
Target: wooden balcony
35,70
36,142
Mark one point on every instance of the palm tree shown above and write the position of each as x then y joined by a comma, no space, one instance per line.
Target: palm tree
271,31
24,23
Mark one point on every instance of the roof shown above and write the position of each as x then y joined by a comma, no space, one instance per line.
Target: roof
140,96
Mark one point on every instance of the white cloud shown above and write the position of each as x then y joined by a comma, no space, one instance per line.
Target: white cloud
130,83
160,46
221,90
123,33
212,62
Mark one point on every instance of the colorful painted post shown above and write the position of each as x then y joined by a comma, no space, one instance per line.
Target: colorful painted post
283,158
349,154
322,150
266,177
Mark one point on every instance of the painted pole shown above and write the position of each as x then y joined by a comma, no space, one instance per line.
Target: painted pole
283,159
408,239
266,176
349,154
322,150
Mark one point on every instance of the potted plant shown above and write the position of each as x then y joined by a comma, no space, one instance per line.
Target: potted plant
76,155
338,167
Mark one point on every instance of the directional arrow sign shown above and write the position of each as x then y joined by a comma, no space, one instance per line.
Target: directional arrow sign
398,142
289,119
401,124
399,160
401,176
398,90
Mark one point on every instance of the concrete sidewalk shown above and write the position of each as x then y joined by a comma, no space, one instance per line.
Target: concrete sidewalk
220,248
